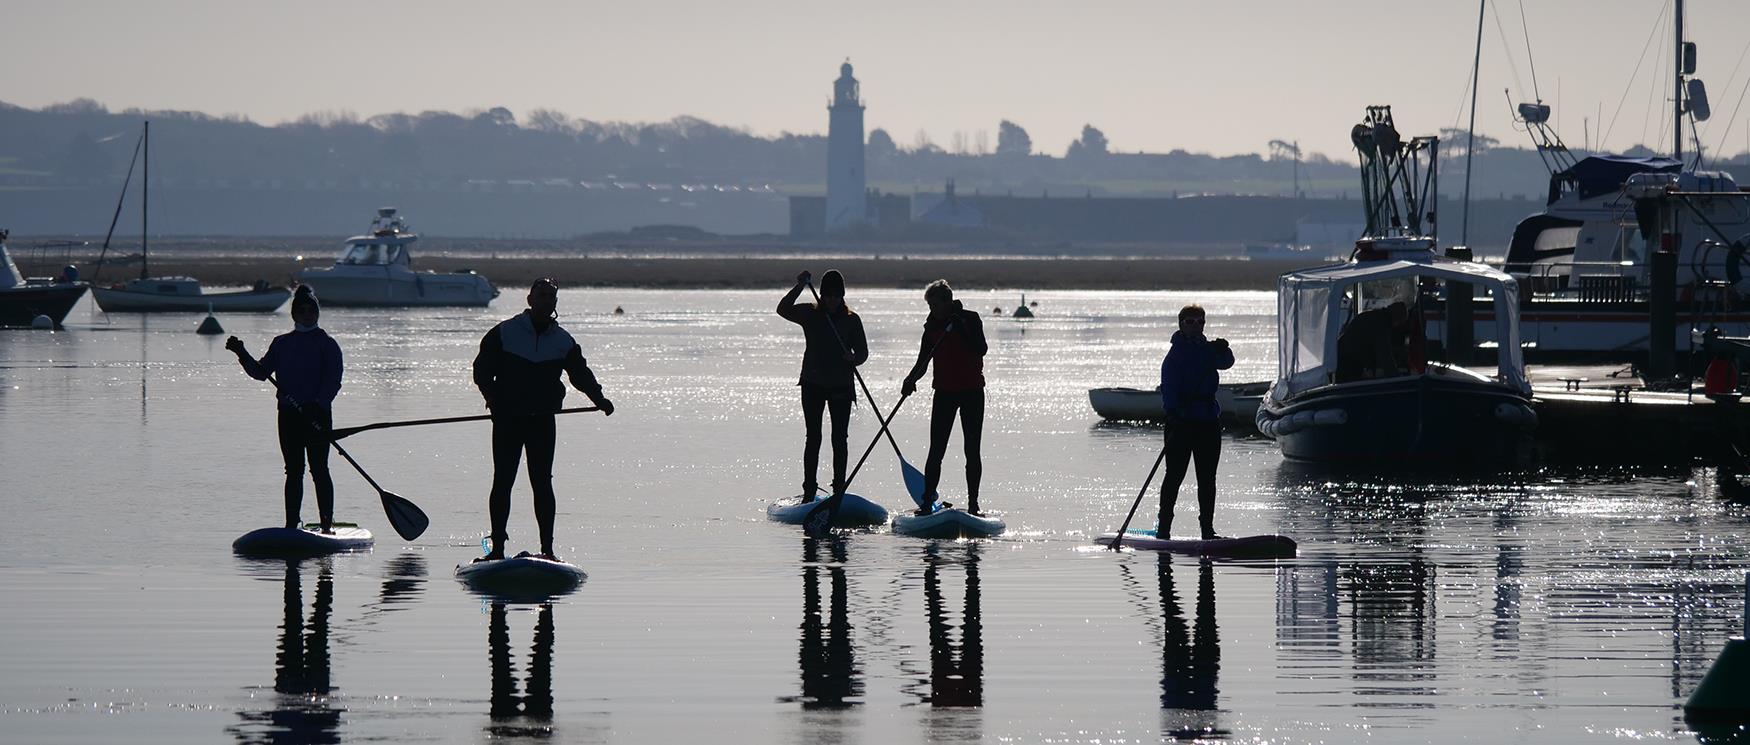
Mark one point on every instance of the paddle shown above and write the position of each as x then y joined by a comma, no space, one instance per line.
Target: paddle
350,431
914,479
818,522
408,520
1119,540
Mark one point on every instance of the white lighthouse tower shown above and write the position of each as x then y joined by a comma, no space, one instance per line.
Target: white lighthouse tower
846,181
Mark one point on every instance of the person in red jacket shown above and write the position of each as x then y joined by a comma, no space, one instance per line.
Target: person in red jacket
954,339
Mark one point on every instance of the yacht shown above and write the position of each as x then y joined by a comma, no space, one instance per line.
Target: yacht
1359,381
376,269
23,300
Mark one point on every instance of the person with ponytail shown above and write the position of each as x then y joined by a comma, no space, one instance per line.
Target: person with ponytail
954,339
517,372
835,346
309,367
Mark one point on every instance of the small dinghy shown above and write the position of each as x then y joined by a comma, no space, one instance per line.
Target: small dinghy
948,522
522,575
1245,547
303,542
854,511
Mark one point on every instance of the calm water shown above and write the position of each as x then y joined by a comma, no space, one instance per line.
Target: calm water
1553,606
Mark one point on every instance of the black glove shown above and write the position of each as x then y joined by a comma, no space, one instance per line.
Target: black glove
1222,343
909,387
606,406
236,346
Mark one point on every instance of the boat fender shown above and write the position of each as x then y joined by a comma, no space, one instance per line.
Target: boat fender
1330,417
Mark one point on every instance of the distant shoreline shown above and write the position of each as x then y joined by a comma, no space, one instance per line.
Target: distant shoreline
765,272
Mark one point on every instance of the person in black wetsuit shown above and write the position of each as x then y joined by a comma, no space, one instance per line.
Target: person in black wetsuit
309,366
835,347
954,338
1190,377
517,371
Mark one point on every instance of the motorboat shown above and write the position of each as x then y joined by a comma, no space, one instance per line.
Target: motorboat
149,294
23,300
376,269
1238,402
1358,380
1585,263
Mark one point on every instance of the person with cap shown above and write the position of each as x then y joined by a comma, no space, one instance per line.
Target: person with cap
308,363
1189,379
954,339
517,372
834,347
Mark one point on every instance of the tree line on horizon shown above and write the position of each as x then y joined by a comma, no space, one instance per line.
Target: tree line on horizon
83,142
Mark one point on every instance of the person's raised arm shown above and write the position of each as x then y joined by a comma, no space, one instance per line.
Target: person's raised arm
787,306
1224,354
251,367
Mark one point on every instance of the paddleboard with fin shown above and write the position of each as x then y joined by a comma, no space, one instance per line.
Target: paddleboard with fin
524,573
854,512
948,522
305,541
1244,547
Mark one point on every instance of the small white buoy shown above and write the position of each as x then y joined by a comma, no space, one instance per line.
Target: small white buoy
1724,693
42,322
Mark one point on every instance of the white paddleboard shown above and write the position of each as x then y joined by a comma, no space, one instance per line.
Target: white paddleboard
1245,547
952,522
305,541
854,511
524,573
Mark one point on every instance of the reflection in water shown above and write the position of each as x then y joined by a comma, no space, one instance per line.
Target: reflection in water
528,714
403,579
830,678
1190,657
956,675
303,712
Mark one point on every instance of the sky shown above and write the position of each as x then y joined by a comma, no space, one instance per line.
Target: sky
1154,75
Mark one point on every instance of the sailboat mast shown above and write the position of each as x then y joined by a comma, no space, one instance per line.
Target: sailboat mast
1677,87
1470,147
145,191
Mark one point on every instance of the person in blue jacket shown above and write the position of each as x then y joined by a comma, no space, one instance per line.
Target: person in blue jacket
1189,379
309,366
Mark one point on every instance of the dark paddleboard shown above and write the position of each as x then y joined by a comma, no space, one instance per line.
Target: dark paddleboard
854,511
952,522
1245,547
523,574
305,541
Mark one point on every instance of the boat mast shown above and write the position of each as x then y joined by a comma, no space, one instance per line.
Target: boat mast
145,191
1677,87
1470,147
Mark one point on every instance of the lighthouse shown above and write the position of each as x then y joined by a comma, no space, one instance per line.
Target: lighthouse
846,181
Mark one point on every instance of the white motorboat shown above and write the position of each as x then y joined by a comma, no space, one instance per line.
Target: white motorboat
376,269
147,294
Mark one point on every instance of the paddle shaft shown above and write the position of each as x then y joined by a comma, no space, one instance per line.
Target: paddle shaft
349,431
873,442
1119,539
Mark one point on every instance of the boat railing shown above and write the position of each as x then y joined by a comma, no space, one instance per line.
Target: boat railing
1583,281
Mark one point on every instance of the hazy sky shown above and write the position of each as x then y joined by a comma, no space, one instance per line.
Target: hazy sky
1220,77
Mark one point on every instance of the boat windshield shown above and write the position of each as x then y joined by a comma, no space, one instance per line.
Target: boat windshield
370,254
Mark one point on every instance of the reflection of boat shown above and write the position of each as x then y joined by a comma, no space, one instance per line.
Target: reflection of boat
1238,401
376,269
1355,381
147,294
22,299
1586,263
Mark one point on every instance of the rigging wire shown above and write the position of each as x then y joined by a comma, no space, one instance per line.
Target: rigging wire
1741,91
1529,60
1720,148
1502,32
1631,80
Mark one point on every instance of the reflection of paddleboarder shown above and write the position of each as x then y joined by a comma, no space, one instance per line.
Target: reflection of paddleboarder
536,700
309,366
830,676
954,339
301,668
1190,656
517,372
1189,379
956,675
835,347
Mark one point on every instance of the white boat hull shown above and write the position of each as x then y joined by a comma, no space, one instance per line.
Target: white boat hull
113,300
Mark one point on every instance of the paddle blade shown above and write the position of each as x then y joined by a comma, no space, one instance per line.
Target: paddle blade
914,483
818,522
404,516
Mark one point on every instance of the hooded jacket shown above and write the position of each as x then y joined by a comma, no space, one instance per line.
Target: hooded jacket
1189,377
959,346
827,337
517,369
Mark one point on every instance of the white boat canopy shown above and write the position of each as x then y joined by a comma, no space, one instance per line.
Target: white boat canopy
1314,305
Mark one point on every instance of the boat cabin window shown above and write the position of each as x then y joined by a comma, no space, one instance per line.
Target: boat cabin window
1383,336
370,254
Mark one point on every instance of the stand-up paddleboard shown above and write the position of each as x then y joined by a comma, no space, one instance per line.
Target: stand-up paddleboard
950,522
1246,547
305,541
854,511
523,574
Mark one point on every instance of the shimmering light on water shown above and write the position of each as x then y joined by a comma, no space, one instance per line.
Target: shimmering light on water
1568,605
